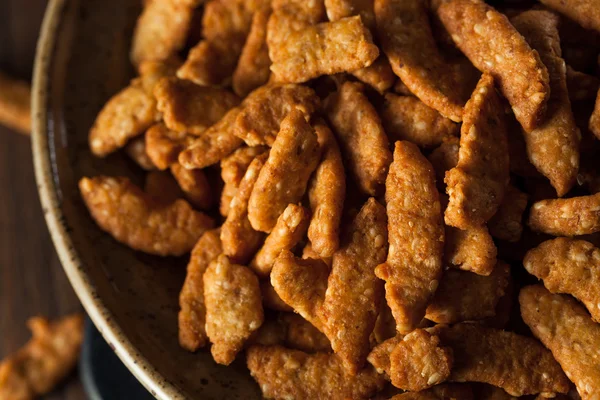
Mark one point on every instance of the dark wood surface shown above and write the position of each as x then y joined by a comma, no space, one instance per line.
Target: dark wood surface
32,281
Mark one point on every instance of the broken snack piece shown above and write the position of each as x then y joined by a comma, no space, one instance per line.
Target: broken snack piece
566,217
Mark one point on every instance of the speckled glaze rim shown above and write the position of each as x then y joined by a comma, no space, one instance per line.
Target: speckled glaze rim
48,192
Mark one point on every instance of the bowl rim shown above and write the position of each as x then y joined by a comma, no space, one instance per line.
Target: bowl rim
100,315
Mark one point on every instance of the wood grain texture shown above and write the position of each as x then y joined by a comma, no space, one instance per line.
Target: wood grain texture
32,280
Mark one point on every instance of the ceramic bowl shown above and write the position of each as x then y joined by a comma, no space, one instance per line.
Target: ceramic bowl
82,60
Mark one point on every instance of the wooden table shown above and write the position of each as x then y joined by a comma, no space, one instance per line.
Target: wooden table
32,281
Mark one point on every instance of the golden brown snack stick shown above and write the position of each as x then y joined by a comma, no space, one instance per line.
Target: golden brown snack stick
302,335
470,250
477,184
568,266
187,107
265,108
283,180
233,169
581,86
445,391
518,364
419,362
287,233
565,327
585,12
507,224
354,293
301,283
407,40
338,9
136,150
134,218
486,37
291,374
594,124
271,299
253,65
195,186
160,30
126,115
407,118
162,187
216,143
323,49
44,361
465,296
380,355
326,193
15,104
164,145
378,75
566,217
361,136
233,307
192,313
416,235
553,146
240,240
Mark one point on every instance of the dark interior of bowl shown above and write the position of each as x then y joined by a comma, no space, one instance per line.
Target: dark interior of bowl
89,64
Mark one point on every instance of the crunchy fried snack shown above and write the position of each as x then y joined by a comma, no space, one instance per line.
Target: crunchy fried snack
594,124
566,217
338,9
585,12
323,49
271,299
190,108
326,193
216,143
416,235
354,293
361,136
407,118
567,330
302,335
553,146
287,233
378,75
265,108
465,296
446,391
164,145
195,186
233,307
134,218
486,37
407,40
233,169
253,65
581,86
136,150
301,283
162,187
161,30
225,26
520,365
283,180
419,362
285,373
126,115
44,361
568,266
380,355
240,240
507,224
15,104
192,313
470,250
477,184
